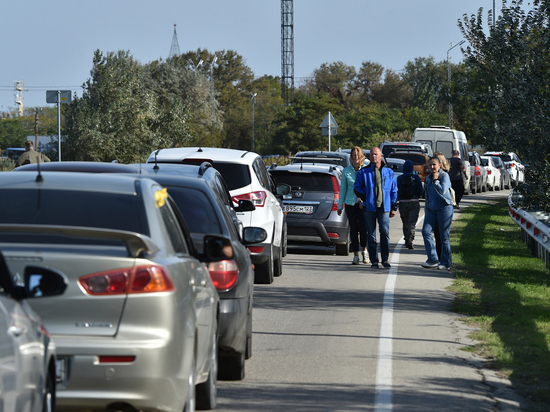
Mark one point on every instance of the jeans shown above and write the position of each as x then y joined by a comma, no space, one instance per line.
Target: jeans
408,211
357,228
441,219
383,219
458,187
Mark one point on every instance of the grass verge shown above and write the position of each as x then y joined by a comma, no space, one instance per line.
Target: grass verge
504,292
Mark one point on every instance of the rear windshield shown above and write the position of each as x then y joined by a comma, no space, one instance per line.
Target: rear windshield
416,159
198,212
74,208
235,175
505,158
338,161
313,182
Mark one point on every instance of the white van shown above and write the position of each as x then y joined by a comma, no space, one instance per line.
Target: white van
445,140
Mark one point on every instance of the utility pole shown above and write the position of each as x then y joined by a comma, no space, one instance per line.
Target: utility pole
253,98
212,87
36,129
449,81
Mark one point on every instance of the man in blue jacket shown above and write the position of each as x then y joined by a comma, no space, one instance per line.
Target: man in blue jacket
375,185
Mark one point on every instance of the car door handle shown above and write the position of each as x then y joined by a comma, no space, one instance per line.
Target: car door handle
16,331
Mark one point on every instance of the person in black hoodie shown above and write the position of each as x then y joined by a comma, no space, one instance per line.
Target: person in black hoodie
409,191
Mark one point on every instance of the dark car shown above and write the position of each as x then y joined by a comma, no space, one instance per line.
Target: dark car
389,147
312,205
319,157
203,199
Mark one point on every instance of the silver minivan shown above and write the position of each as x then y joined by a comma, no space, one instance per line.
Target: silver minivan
444,139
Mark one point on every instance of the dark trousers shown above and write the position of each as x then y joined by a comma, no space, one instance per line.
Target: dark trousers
409,211
357,227
458,187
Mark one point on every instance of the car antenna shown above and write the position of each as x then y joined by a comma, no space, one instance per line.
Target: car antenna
156,167
39,178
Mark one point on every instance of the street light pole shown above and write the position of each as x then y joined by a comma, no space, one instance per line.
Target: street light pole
212,87
253,98
449,81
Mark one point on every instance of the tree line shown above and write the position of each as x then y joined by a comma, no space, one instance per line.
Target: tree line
499,94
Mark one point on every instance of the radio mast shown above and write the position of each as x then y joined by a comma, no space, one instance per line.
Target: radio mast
287,50
175,48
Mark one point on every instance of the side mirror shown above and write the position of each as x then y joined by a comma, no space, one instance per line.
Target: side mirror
217,248
253,235
283,189
43,282
245,206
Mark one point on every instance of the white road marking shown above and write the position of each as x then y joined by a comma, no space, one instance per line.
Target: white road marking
383,391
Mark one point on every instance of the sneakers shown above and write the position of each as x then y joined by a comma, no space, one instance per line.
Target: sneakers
386,265
355,260
374,266
430,265
443,267
409,245
364,258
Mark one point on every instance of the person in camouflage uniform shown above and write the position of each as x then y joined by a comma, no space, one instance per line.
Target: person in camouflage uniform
30,155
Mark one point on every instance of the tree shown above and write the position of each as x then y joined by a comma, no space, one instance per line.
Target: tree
369,76
511,65
394,91
427,79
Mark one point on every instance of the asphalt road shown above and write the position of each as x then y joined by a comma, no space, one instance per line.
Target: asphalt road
330,336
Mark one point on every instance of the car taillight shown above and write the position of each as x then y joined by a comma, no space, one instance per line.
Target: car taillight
116,359
258,198
477,171
256,249
488,171
140,279
512,164
336,188
224,274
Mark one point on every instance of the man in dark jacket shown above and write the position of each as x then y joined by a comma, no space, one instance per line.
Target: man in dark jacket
409,191
30,155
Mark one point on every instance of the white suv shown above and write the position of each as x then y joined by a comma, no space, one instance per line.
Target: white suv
247,178
513,165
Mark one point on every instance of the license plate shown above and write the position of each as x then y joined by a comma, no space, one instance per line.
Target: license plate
308,210
61,370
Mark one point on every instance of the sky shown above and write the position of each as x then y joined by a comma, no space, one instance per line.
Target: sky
49,45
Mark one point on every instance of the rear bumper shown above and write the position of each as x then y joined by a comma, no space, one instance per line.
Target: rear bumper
316,231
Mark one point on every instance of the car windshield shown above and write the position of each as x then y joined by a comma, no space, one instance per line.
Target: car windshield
416,159
505,157
484,162
74,208
235,175
314,182
198,212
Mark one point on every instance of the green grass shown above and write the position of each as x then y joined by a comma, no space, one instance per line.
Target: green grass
504,292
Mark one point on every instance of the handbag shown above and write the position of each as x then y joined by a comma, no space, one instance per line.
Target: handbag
452,192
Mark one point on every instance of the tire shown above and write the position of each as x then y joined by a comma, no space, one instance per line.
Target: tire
492,188
248,350
190,402
263,273
484,187
278,264
207,392
343,250
48,402
231,368
473,189
285,240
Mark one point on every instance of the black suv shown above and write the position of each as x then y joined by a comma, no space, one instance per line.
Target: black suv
312,205
388,148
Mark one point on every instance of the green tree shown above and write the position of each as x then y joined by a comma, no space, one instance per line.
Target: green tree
511,65
394,92
427,79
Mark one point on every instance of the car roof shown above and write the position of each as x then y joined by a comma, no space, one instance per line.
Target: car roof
304,168
197,155
88,167
122,183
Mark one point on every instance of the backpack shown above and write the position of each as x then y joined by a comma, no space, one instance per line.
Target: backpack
406,187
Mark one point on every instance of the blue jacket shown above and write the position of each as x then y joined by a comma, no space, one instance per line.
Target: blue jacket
408,169
347,195
437,195
364,188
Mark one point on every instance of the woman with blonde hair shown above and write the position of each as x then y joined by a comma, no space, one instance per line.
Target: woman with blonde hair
352,205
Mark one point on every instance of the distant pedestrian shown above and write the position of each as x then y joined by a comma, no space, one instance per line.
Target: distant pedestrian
409,191
446,167
457,174
30,155
352,205
438,215
375,185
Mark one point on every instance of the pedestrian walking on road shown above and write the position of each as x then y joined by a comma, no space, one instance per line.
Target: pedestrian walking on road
352,205
409,191
438,215
30,155
375,185
456,174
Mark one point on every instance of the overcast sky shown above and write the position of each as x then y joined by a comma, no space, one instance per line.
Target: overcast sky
49,45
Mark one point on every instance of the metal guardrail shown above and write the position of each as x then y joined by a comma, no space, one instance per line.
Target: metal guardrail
535,227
